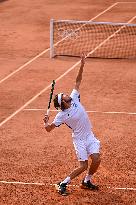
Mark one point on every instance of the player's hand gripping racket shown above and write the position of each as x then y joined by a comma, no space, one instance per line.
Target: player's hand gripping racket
50,99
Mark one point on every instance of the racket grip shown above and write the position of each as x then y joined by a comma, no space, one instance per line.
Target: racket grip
48,111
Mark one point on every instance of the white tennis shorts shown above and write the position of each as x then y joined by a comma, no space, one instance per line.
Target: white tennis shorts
84,147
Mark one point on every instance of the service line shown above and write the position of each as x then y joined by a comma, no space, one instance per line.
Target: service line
88,111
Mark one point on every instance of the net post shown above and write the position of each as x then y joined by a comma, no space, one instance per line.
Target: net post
51,39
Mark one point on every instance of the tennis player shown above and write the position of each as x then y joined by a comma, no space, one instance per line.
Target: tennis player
86,145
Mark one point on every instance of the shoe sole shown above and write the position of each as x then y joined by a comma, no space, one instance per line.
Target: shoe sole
58,190
84,187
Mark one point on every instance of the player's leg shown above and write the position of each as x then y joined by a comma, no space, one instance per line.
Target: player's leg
94,164
61,187
83,165
93,151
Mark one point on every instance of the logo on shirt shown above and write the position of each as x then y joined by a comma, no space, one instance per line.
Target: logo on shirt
74,105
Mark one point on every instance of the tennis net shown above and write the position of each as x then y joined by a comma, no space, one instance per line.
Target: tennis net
97,39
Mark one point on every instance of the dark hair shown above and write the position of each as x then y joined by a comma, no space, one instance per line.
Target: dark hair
56,104
62,106
55,100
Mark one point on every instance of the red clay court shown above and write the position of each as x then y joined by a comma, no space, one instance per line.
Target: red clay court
31,160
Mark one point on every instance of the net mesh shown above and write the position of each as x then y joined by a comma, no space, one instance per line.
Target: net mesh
103,40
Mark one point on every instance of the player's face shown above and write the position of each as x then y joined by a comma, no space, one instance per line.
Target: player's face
66,98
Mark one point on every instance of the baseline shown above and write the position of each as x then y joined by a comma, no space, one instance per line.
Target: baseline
44,184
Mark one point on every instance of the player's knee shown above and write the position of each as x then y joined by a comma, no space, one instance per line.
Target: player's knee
84,165
96,158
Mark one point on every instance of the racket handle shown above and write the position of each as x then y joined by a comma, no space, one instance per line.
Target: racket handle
48,111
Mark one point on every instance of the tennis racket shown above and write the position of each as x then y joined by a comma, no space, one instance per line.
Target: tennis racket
50,99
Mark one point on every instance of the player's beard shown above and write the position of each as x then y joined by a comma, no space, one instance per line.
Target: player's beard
67,101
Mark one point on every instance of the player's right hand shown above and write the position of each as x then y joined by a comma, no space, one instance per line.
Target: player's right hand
46,118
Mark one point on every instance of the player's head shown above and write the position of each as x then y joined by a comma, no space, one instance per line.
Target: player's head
62,101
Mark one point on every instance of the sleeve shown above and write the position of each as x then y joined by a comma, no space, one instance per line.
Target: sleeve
58,120
75,95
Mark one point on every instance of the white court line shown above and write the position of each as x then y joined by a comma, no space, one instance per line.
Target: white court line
46,88
89,111
22,183
43,184
130,2
43,52
71,68
110,7
24,65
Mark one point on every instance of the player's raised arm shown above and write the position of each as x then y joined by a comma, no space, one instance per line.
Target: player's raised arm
79,75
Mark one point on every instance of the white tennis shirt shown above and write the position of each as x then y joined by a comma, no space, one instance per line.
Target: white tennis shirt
75,118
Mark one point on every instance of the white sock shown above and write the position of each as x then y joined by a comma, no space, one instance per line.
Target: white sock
67,180
87,178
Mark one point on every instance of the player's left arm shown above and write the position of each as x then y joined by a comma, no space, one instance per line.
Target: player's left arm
80,72
48,127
